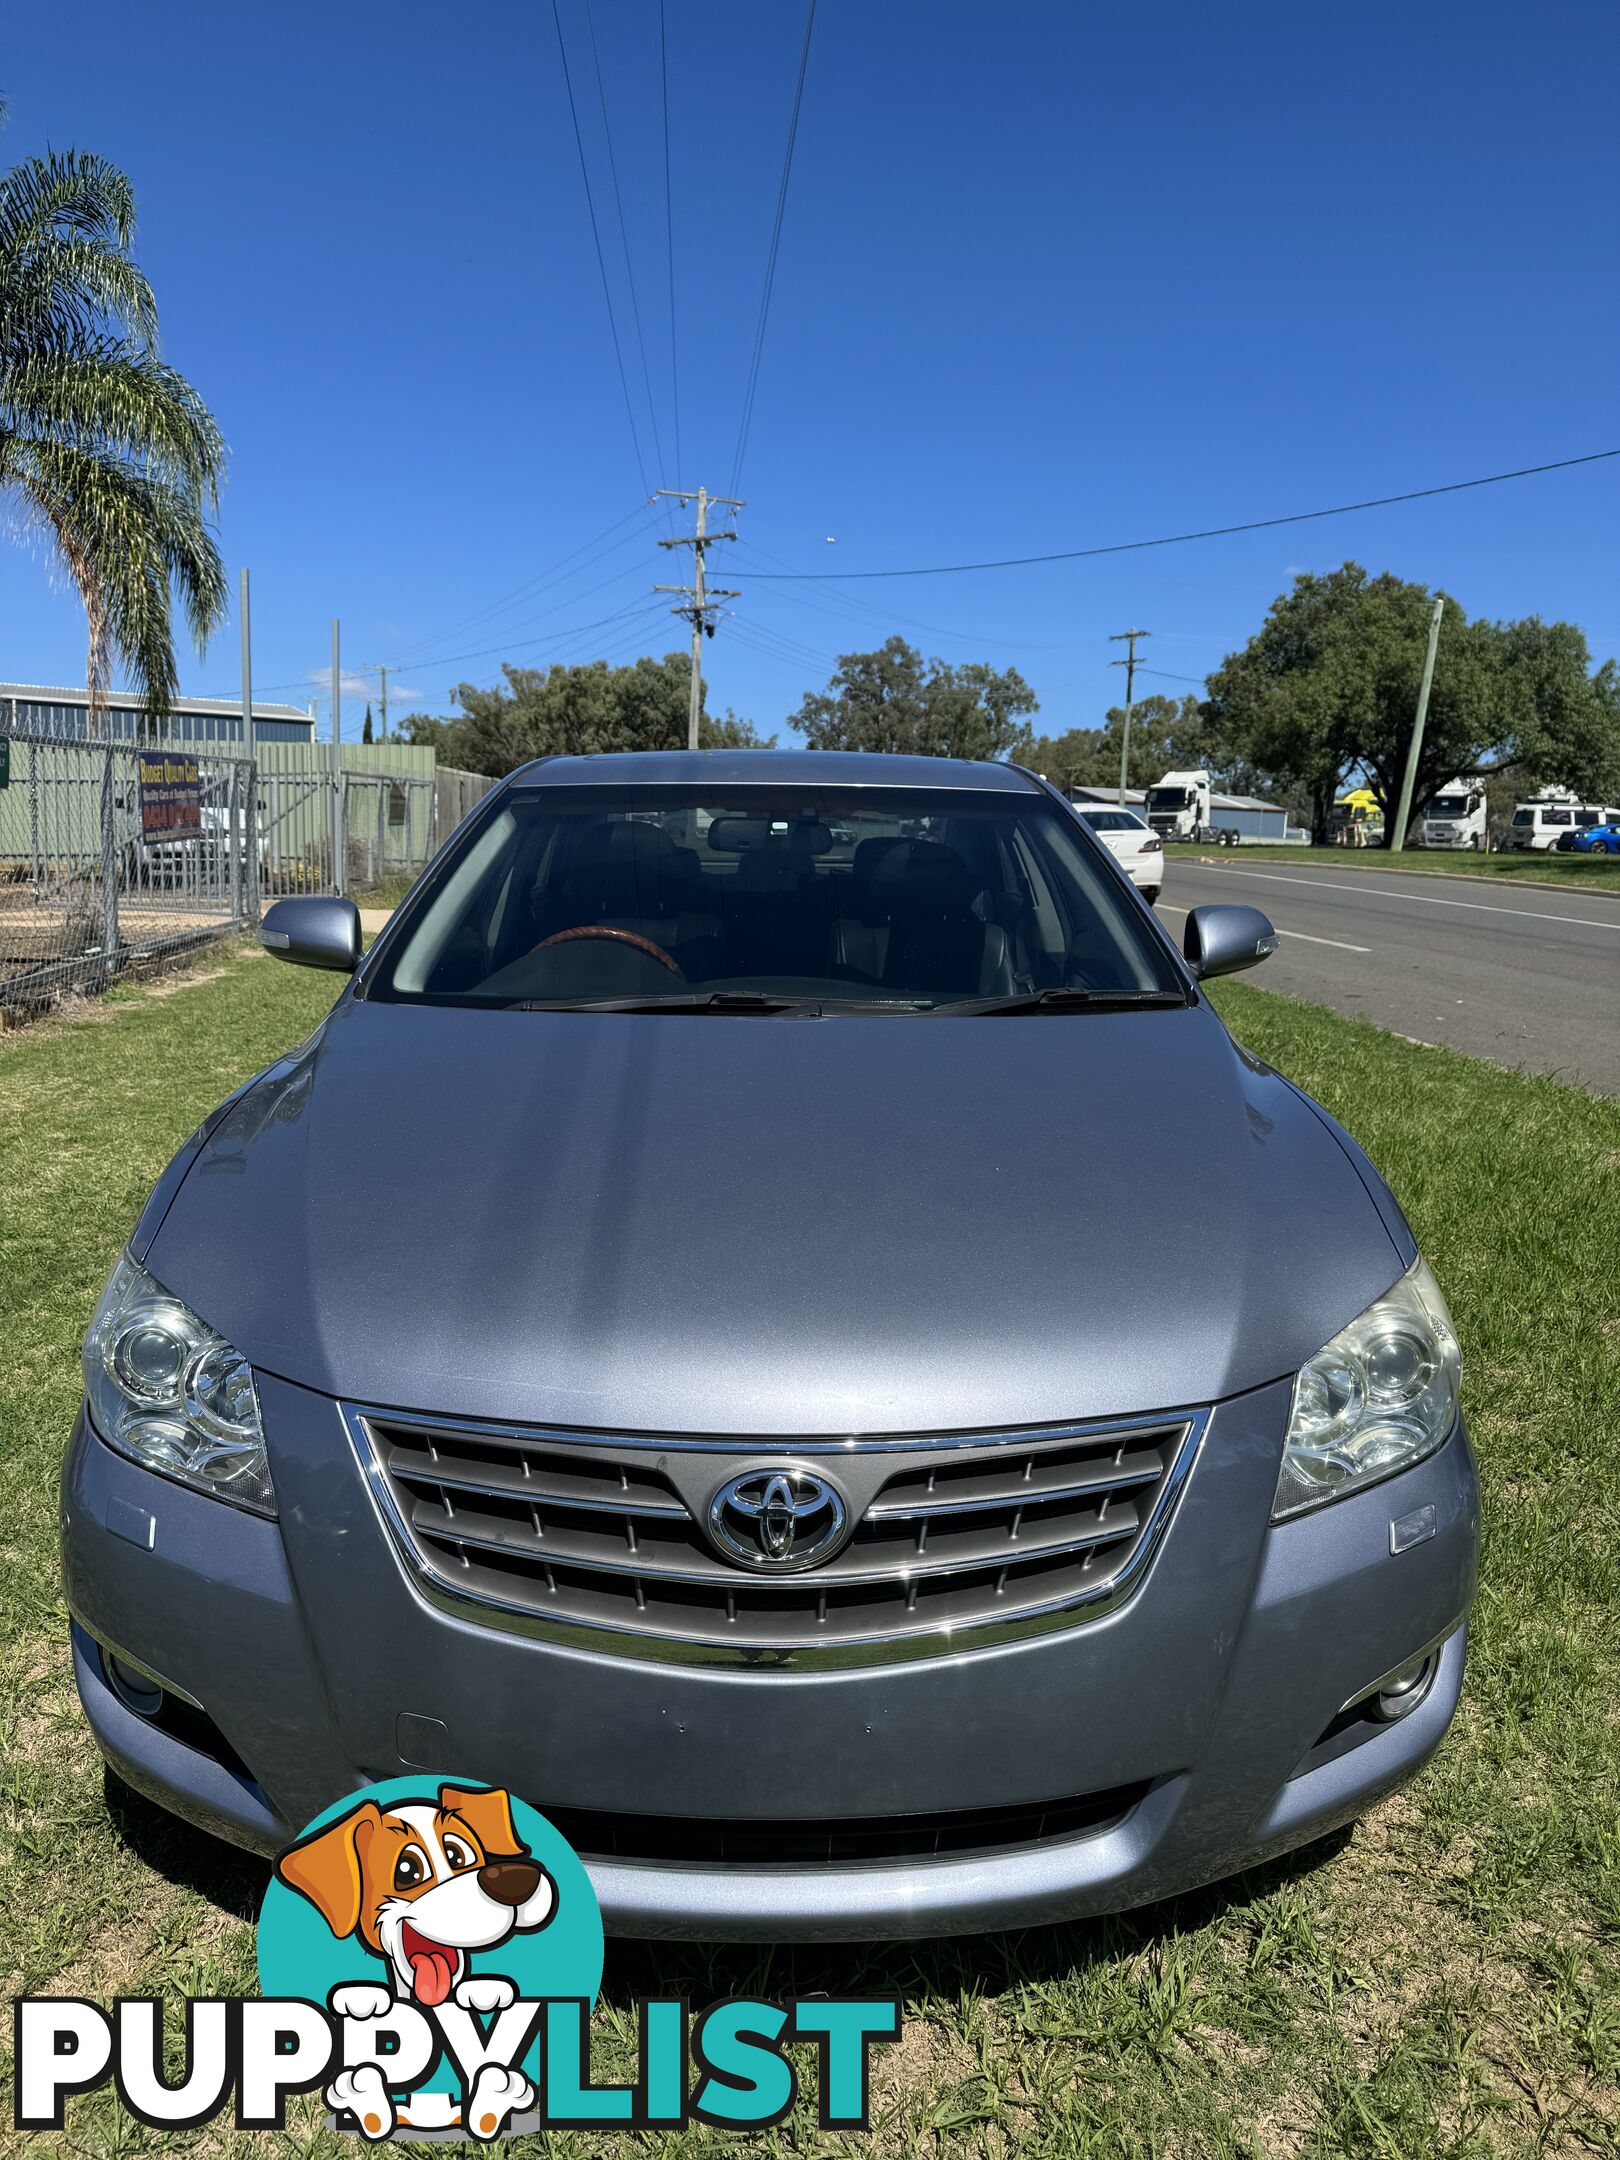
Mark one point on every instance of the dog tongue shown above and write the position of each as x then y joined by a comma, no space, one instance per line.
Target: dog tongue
432,1968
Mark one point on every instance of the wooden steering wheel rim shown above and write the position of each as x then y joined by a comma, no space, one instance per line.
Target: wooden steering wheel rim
620,937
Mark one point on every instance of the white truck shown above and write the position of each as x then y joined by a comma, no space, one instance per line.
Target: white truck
1179,808
1455,816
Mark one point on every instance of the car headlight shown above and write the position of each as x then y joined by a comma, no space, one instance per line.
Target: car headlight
171,1393
1377,1398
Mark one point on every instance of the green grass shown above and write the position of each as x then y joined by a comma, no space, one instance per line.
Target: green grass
1444,1982
388,891
1596,873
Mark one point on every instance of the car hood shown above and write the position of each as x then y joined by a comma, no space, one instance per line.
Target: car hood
774,1225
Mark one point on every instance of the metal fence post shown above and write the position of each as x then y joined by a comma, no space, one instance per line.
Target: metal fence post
109,859
250,838
340,825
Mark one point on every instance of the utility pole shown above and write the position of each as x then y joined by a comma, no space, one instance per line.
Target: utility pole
383,672
339,864
1397,838
1127,638
247,840
245,624
700,604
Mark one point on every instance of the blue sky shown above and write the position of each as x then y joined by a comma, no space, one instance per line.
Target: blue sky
1051,276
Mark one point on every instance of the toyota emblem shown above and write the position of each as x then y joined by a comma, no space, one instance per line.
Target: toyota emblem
778,1519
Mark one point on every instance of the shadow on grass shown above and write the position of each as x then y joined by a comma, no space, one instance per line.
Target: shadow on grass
189,1858
949,1965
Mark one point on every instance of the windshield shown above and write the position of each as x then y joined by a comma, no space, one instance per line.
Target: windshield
1448,806
1168,798
885,898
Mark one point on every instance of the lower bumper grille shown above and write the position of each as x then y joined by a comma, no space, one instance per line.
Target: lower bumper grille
852,1841
957,1539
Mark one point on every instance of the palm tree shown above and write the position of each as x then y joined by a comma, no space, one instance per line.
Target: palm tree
105,451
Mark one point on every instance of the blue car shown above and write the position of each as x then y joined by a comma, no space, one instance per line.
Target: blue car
1591,840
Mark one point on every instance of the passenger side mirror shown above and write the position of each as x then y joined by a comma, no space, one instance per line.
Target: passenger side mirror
1221,940
318,933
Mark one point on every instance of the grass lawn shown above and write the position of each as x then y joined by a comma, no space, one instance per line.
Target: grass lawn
1446,1981
1595,873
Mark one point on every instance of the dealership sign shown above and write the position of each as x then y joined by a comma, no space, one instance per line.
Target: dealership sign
171,794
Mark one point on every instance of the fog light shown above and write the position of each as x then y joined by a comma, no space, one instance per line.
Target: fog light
1404,1690
135,1690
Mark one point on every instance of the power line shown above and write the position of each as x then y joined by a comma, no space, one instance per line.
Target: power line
624,236
601,260
548,637
1165,675
542,577
1209,532
770,260
669,228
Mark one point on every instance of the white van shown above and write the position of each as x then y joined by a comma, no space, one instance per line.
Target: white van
1539,824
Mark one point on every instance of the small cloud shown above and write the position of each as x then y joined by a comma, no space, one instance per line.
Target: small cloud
353,686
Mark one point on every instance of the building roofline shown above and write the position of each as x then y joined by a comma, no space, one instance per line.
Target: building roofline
131,700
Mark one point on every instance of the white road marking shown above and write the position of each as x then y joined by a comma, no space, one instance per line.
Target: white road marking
1382,892
1166,908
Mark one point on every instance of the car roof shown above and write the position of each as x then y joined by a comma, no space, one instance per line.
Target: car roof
769,768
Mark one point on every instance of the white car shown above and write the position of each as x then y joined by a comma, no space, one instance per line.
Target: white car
1132,842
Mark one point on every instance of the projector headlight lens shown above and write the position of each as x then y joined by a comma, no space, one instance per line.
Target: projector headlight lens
169,1391
1377,1398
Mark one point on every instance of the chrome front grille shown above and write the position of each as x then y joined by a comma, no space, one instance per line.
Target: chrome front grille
958,1539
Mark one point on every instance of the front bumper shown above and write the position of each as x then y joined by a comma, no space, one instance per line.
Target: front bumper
319,1668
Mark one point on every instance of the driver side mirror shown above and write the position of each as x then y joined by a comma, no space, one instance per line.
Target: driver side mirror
1221,940
311,932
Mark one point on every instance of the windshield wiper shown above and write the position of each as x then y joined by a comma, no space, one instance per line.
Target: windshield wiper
1062,1001
706,1001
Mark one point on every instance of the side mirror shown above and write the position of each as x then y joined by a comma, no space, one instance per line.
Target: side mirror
314,933
1220,940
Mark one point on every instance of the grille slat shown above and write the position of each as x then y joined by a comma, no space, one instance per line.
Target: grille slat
956,1539
857,1565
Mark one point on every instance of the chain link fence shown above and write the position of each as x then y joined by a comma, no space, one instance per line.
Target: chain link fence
116,857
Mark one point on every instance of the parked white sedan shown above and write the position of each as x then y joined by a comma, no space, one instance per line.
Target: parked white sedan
1139,849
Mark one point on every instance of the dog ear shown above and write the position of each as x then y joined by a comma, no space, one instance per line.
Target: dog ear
488,1815
325,1868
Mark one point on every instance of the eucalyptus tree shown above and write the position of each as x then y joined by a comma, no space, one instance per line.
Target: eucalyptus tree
107,454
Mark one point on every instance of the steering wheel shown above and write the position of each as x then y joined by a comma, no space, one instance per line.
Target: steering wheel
619,937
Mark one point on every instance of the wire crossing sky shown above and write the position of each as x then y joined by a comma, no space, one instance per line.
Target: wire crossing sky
995,299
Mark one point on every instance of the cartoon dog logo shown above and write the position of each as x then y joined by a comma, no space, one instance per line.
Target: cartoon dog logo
423,1886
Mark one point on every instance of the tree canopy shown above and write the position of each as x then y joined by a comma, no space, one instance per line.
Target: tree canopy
1329,685
108,454
1166,734
541,712
893,699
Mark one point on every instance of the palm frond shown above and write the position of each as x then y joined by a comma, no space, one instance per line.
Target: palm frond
64,191
70,287
131,539
121,399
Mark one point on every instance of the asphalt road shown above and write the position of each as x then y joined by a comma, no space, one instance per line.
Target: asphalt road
1528,979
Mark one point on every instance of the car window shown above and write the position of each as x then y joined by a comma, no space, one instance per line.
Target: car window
1108,820
881,897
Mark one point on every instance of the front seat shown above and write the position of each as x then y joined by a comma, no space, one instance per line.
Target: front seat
629,875
937,944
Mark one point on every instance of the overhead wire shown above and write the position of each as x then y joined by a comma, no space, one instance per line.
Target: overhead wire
624,240
580,558
669,236
1209,532
601,259
751,383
